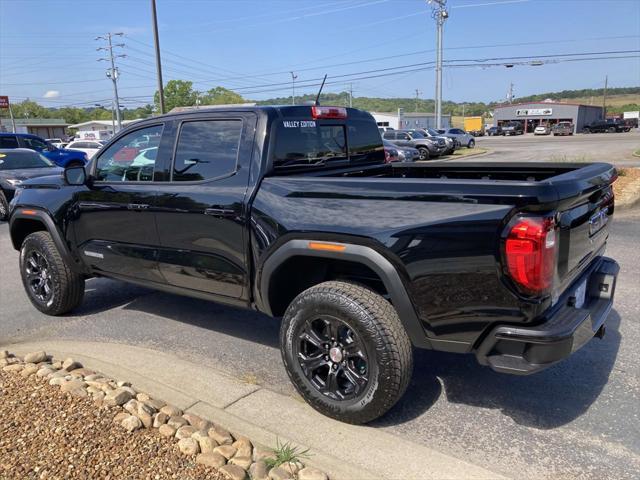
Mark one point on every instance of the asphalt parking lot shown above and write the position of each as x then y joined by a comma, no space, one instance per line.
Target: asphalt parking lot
615,148
577,419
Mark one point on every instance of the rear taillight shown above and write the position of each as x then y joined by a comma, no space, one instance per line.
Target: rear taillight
530,254
387,156
328,112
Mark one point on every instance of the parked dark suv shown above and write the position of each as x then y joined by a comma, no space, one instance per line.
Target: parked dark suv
609,125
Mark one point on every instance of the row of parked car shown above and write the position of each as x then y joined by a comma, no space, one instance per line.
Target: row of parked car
561,128
410,145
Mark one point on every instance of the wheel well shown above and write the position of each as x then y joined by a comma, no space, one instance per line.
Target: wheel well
21,228
298,273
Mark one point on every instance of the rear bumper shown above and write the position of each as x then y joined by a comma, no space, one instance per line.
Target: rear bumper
525,350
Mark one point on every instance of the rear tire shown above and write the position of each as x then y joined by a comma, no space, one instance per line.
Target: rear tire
52,287
612,130
350,330
4,207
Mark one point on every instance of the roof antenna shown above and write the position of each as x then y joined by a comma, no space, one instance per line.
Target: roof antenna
317,102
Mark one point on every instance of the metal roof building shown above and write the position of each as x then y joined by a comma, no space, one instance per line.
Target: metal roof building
43,127
533,114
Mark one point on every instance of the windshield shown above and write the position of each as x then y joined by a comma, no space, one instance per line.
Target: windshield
16,160
417,134
432,132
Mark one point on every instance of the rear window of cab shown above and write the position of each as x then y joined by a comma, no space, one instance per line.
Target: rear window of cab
303,142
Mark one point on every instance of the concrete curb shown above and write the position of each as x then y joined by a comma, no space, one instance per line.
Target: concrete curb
346,452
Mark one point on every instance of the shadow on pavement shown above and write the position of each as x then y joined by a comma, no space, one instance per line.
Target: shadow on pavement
546,400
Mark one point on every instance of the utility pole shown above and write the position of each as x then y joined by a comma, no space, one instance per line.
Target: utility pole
112,73
293,88
156,42
418,93
510,93
440,14
604,98
463,110
351,95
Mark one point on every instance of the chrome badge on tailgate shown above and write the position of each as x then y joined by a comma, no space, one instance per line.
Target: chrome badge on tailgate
597,221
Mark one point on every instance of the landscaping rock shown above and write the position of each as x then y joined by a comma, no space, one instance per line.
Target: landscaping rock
167,430
244,447
227,451
193,420
131,423
59,374
185,432
211,459
70,364
57,365
159,419
4,354
120,417
44,371
278,473
29,369
243,462
171,411
259,470
117,397
233,472
177,422
79,392
57,381
157,404
142,397
16,367
207,444
189,446
131,406
309,473
143,409
220,435
92,377
35,357
72,385
291,467
200,434
261,453
81,372
123,384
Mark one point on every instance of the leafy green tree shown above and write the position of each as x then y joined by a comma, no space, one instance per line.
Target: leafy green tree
177,93
221,96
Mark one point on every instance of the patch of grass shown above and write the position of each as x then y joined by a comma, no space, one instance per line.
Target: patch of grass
285,453
570,158
636,153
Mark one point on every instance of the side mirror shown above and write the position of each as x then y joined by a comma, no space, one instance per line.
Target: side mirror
75,175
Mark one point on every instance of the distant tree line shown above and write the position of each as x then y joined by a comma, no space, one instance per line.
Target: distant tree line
180,93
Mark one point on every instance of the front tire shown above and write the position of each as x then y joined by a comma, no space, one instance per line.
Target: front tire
471,144
346,351
4,207
424,153
52,287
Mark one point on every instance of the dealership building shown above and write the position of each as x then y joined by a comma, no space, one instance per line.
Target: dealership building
401,120
547,113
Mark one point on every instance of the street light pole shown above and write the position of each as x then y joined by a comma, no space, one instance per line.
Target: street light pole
158,62
440,14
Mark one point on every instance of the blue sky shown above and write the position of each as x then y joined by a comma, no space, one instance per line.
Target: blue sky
250,45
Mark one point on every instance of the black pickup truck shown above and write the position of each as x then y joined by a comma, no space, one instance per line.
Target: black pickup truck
292,211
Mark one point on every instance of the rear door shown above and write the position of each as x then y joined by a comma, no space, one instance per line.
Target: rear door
115,224
202,214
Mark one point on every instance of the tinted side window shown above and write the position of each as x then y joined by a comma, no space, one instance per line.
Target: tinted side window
389,135
8,142
207,149
34,143
131,158
364,141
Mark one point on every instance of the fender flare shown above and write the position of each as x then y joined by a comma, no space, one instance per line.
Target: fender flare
50,227
353,253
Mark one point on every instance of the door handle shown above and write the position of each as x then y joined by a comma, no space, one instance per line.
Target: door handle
220,212
137,206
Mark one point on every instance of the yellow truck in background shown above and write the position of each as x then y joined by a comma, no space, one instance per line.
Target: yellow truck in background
474,126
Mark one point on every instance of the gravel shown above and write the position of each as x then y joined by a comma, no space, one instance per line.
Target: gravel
47,434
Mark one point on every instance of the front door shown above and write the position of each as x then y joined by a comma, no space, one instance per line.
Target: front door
115,225
201,212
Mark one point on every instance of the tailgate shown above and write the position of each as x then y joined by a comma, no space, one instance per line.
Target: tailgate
586,208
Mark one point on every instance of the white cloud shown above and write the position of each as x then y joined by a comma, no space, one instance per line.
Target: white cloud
51,94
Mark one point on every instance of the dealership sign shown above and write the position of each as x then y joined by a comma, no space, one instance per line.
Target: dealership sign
4,101
533,112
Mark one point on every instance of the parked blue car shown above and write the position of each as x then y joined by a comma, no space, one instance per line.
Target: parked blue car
59,156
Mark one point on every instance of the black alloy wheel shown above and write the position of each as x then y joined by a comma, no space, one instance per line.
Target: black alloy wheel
4,206
38,276
332,358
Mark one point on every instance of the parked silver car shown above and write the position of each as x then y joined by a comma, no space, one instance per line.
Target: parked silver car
465,139
450,142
